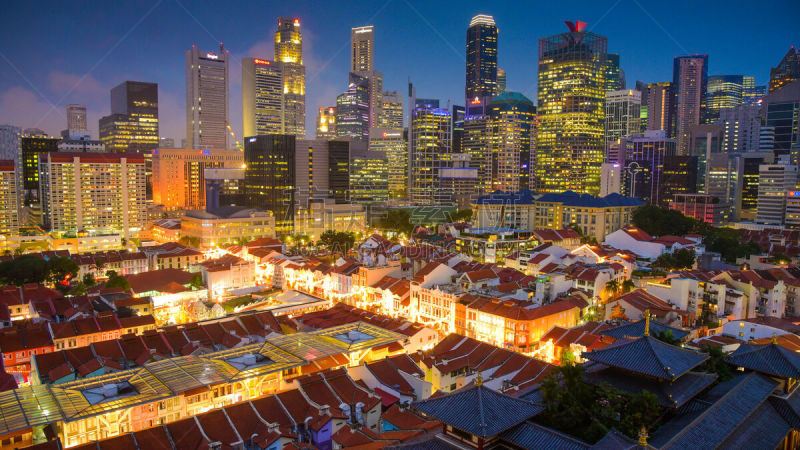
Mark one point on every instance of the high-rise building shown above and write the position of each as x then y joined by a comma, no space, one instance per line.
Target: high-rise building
312,178
362,62
97,193
369,177
659,106
262,97
429,150
571,96
742,128
132,126
615,77
76,121
326,122
457,182
623,110
751,93
32,149
705,141
746,167
392,111
352,109
11,149
481,58
269,178
723,91
289,51
501,81
207,98
179,175
9,202
786,71
457,116
392,143
648,151
679,176
339,168
781,109
166,142
775,181
641,86
511,121
689,79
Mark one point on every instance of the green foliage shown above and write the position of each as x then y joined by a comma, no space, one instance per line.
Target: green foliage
61,272
679,259
627,286
337,241
667,337
189,241
88,280
461,215
398,220
230,305
24,269
588,412
197,281
728,243
716,363
116,281
567,357
659,221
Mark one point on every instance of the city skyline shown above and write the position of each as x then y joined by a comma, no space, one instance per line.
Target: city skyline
116,50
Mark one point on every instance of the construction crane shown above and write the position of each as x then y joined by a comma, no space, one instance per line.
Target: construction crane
233,135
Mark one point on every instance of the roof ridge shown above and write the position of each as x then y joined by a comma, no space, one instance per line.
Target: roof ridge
656,355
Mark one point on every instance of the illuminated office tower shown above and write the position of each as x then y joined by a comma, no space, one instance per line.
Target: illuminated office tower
775,182
326,122
786,71
11,149
390,141
132,126
207,98
289,51
474,142
742,129
76,122
391,115
689,79
100,193
429,150
641,86
781,109
723,91
615,77
262,97
623,110
659,106
270,178
352,109
649,151
457,116
362,62
9,201
571,97
511,120
751,93
179,175
369,177
33,147
481,58
501,81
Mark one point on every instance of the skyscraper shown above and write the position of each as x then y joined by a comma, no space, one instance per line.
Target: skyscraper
660,97
362,62
289,51
262,97
511,119
750,92
501,81
781,109
352,109
392,111
76,121
786,71
481,58
723,91
689,79
429,150
132,126
207,98
9,202
615,77
571,96
390,141
623,109
269,177
742,129
326,122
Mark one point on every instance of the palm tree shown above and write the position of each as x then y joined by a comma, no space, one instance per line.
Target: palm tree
612,286
628,285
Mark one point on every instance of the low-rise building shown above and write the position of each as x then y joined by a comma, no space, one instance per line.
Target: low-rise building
171,255
217,227
326,215
227,273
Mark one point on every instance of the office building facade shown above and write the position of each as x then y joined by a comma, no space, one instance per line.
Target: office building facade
326,122
269,179
689,80
369,177
391,111
570,133
742,132
353,109
207,98
723,91
615,77
262,97
787,70
429,150
132,126
511,122
179,175
622,117
659,106
481,66
775,181
392,143
77,123
9,202
289,52
32,148
781,109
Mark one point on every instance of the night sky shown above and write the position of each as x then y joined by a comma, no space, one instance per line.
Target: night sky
55,53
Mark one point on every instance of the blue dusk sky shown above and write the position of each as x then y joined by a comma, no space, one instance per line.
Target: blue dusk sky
55,53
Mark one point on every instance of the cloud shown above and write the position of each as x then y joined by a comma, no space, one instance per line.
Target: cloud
69,85
23,108
171,115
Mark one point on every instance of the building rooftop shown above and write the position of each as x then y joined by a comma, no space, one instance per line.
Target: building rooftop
648,356
770,359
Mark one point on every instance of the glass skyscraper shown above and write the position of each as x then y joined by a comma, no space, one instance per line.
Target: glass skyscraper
689,79
511,119
289,51
481,58
132,125
206,98
723,91
429,151
571,97
352,109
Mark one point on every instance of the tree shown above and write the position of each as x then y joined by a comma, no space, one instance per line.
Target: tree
115,281
567,357
337,241
659,221
612,286
461,215
99,264
88,280
679,259
189,241
24,269
61,272
667,337
398,220
628,285
728,243
197,281
716,362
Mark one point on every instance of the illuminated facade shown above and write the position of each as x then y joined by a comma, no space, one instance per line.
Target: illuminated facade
391,115
289,51
353,109
227,225
262,97
362,62
32,147
474,142
9,198
76,121
207,98
511,123
623,110
179,175
93,193
501,81
742,129
787,70
369,177
481,58
391,142
723,91
429,150
269,177
132,126
571,95
323,215
615,77
690,77
659,106
326,123
775,181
